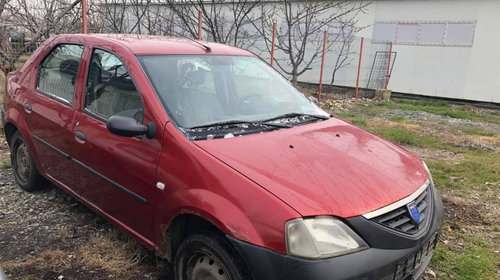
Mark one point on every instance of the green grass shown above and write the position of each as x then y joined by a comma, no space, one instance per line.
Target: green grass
374,110
472,261
5,165
442,108
475,171
400,119
475,259
477,131
353,118
405,137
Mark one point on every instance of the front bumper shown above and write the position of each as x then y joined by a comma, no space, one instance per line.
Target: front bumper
390,256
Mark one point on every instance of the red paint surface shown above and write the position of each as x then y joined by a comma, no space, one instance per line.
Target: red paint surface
247,186
324,174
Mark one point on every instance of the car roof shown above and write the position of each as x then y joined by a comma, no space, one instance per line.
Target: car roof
150,45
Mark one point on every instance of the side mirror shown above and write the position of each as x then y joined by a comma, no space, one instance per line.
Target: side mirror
129,127
314,100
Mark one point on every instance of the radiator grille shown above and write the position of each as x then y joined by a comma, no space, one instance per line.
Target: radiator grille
401,220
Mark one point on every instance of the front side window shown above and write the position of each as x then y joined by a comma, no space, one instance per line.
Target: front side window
57,72
242,94
110,89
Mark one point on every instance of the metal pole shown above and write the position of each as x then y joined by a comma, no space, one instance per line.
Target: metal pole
359,66
200,19
84,16
273,43
388,67
325,37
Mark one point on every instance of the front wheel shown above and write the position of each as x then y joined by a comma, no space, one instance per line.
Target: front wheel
208,257
23,166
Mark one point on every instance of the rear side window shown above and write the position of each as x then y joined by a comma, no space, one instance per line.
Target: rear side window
110,89
57,73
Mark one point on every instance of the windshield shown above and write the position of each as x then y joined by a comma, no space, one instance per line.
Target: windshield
200,91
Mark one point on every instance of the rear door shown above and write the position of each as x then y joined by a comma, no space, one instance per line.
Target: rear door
119,171
49,112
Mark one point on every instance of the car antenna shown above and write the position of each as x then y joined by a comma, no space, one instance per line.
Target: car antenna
207,48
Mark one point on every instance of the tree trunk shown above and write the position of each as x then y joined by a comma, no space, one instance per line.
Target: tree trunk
294,75
333,77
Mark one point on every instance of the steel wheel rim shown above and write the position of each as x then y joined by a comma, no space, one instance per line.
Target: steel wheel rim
203,266
23,162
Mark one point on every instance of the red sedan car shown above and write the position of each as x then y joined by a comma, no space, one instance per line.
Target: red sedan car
211,158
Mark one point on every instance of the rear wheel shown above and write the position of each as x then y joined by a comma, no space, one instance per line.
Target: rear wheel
23,166
208,256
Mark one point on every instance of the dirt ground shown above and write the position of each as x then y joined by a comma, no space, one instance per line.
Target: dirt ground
49,235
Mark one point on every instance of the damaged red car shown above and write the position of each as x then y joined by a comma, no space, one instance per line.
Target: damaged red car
212,159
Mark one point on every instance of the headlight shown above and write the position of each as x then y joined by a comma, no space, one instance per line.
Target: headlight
321,237
428,172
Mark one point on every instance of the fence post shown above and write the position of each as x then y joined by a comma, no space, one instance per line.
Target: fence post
273,43
200,19
325,37
359,67
84,16
388,67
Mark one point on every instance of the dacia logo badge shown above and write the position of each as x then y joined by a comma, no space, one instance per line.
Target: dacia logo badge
414,212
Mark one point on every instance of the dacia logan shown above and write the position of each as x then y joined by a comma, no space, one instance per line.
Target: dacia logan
212,159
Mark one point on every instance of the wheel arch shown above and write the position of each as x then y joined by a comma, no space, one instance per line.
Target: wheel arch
181,227
214,213
9,130
15,122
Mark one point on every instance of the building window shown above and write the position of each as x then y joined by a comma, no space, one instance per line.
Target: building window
407,33
459,33
432,33
452,34
384,32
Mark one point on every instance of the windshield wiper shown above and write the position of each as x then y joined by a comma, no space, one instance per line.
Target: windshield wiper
237,122
292,115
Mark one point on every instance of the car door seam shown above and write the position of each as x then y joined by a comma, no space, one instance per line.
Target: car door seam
94,172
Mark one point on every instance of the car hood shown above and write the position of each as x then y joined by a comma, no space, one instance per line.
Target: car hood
324,168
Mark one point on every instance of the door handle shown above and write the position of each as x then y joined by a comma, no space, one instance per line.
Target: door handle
80,137
27,108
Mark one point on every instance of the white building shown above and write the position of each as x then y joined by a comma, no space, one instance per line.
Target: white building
445,48
442,48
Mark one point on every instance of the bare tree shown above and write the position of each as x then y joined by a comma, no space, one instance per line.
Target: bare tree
4,31
342,47
153,23
224,21
110,15
130,16
301,30
2,6
40,19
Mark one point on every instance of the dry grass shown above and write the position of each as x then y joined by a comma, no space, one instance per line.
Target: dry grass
114,253
47,260
379,122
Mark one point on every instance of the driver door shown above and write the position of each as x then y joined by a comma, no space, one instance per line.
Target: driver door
120,170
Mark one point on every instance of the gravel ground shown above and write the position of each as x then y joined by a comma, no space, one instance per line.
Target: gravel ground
49,235
425,116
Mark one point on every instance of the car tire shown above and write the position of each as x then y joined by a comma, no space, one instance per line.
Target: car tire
208,256
23,165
